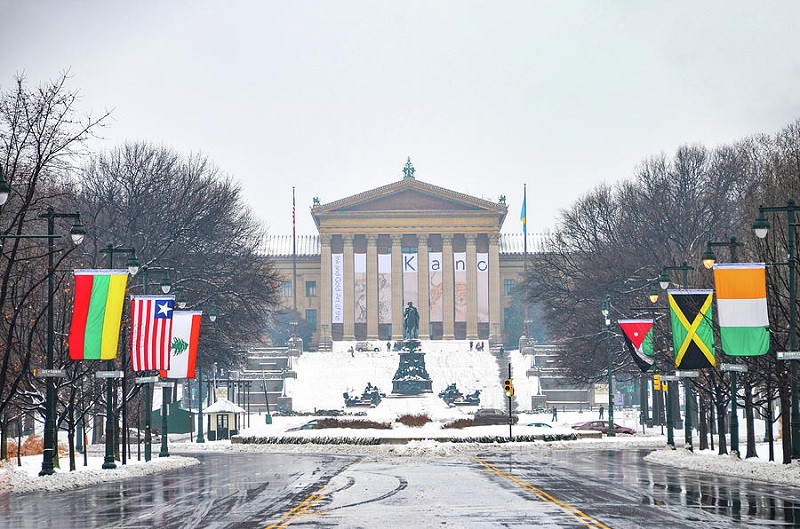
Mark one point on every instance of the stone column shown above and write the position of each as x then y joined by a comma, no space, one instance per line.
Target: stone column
325,289
448,279
397,287
472,287
495,303
424,287
349,297
372,287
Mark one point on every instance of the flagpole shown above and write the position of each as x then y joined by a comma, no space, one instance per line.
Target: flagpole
525,253
294,267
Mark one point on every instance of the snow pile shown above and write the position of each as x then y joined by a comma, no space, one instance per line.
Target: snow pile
710,463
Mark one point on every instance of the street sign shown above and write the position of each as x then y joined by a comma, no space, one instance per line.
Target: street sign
739,368
669,378
788,355
163,384
147,380
687,374
109,374
57,373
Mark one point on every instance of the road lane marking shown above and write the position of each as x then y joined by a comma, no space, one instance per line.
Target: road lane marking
581,516
288,517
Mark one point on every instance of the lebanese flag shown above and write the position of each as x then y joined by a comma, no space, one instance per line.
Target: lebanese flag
640,341
183,350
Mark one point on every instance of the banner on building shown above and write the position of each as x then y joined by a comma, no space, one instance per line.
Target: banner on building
460,283
435,278
385,288
337,288
482,294
742,306
692,333
97,314
410,279
360,287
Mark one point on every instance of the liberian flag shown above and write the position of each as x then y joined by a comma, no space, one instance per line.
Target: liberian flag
742,305
151,331
640,341
183,350
97,314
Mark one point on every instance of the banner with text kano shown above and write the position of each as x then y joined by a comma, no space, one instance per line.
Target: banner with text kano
97,314
183,349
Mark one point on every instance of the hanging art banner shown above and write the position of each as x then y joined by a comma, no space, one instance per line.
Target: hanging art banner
97,314
692,333
385,288
151,332
183,349
435,278
460,285
410,285
483,288
337,288
742,308
360,287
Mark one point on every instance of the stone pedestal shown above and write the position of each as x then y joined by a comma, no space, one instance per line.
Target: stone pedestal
411,377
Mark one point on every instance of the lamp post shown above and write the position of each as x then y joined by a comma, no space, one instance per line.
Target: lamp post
212,316
133,269
709,258
166,286
607,315
760,227
663,281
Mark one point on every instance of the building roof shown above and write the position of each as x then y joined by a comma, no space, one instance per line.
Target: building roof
223,405
308,245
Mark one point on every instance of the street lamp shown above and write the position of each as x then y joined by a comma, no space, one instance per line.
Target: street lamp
760,227
133,268
709,258
663,281
607,315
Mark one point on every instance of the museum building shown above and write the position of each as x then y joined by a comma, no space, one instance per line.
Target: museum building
405,242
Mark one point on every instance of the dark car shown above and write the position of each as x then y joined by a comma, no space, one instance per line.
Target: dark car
539,424
602,426
310,425
492,416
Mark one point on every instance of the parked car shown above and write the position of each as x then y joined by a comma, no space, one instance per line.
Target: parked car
602,426
366,346
310,425
539,424
492,416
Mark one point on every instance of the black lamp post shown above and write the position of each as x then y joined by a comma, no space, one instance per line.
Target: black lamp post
212,316
709,258
664,281
607,315
133,269
760,227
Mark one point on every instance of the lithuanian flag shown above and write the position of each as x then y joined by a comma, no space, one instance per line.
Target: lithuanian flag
742,305
97,314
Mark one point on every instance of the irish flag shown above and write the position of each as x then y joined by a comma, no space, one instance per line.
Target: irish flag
97,314
183,350
742,305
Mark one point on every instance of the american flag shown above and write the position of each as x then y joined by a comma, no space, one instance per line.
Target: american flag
151,332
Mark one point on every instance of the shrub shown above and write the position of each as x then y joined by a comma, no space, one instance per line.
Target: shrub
414,420
459,423
358,424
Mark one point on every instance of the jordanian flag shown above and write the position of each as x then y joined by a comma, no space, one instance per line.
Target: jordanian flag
692,334
183,349
97,314
742,305
639,338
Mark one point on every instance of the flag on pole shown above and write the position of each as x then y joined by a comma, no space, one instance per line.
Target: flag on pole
97,314
742,305
692,334
523,216
639,338
183,349
151,332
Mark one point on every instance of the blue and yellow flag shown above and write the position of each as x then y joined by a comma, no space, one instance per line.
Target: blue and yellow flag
523,217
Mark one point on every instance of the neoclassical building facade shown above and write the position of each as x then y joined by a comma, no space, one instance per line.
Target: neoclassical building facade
404,242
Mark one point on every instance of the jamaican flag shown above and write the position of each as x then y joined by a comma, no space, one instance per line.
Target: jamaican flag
692,334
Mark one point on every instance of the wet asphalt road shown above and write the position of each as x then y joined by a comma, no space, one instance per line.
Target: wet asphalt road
494,489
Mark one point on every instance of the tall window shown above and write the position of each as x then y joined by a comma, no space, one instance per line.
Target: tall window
287,289
311,318
508,286
311,289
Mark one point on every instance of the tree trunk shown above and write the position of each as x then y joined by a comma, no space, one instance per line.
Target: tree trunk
702,426
749,419
786,426
721,409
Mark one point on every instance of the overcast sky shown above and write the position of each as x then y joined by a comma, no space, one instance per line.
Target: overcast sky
332,97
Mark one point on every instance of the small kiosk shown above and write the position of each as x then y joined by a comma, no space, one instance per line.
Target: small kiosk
223,419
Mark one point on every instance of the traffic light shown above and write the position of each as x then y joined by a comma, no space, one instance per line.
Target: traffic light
656,382
508,387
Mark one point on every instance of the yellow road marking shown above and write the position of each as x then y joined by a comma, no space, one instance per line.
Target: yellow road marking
581,516
289,516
